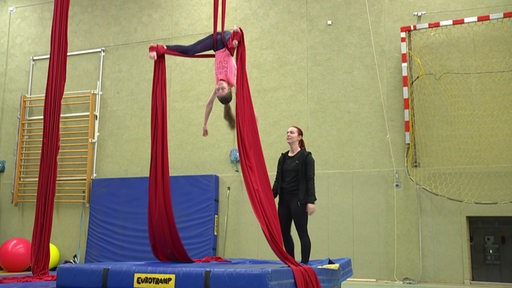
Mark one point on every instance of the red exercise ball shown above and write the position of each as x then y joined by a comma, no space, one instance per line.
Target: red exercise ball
15,255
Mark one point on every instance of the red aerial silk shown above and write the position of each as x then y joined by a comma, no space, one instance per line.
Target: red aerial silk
47,180
163,235
164,238
55,84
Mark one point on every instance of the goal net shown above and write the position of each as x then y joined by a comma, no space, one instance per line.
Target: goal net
457,78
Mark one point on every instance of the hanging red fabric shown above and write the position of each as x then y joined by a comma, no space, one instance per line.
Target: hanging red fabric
215,19
164,237
163,234
56,81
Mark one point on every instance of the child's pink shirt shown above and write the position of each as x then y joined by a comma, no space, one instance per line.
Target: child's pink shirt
225,67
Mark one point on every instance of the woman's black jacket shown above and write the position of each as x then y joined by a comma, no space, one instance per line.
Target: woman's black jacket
306,176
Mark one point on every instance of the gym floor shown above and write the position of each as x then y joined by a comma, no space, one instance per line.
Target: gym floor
387,284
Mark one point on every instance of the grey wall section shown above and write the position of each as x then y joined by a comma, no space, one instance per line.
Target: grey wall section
302,72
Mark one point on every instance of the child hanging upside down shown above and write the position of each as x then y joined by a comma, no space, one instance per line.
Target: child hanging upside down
225,68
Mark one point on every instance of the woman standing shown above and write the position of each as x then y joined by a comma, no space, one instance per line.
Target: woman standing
295,185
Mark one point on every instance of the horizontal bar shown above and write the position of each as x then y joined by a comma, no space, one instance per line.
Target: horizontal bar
35,58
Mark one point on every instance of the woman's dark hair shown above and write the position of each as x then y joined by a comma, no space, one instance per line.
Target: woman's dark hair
302,145
228,114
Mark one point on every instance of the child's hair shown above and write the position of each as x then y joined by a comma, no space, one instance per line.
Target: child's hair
228,114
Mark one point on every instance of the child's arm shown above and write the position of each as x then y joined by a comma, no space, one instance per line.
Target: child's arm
207,111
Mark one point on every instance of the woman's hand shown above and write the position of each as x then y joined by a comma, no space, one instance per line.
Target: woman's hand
310,208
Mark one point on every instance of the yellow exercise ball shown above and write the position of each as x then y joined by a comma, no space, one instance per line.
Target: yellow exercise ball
54,256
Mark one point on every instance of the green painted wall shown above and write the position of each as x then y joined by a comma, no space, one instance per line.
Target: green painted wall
340,83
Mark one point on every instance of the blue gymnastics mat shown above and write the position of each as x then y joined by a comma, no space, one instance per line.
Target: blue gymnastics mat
238,272
118,221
